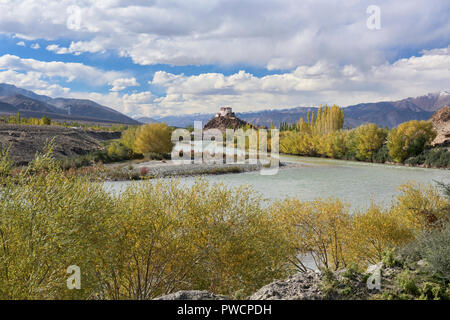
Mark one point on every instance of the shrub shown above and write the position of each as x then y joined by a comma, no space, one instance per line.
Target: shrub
433,291
432,246
144,171
352,272
375,231
6,164
152,239
421,207
407,283
389,259
128,137
117,152
434,157
48,222
319,228
381,155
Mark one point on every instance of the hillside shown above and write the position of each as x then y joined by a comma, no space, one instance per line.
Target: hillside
24,141
29,104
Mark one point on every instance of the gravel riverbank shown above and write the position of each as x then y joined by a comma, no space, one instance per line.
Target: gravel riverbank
161,169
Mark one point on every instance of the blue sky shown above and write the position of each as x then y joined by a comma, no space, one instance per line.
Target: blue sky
154,58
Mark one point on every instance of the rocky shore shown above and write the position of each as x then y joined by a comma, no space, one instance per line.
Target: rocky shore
344,284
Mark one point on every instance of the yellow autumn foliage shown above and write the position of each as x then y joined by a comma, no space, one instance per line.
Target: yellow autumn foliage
158,237
153,137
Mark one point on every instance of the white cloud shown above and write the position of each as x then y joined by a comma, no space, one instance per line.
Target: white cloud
35,46
278,34
123,83
33,81
21,44
307,85
68,71
135,104
46,77
57,49
320,83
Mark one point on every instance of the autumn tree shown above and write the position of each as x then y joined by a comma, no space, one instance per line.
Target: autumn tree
46,121
369,138
129,137
154,137
409,139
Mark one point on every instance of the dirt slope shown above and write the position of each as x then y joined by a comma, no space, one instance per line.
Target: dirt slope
24,141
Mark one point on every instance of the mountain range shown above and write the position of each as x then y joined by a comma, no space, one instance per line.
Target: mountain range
384,114
30,104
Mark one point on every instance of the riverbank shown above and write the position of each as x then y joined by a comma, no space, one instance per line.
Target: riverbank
136,170
390,163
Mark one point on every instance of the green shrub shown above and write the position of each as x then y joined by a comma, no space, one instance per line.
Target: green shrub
352,272
407,283
329,284
117,152
381,155
434,291
433,247
389,259
6,164
434,157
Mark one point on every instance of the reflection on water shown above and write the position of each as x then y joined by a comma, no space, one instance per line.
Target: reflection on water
356,182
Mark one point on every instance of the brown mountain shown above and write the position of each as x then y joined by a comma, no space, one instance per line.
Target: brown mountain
30,104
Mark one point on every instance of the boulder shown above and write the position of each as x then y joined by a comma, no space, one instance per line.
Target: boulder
301,286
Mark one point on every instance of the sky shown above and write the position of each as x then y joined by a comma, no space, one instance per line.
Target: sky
169,57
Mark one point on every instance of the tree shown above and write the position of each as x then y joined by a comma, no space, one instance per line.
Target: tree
409,139
154,137
369,138
128,137
46,121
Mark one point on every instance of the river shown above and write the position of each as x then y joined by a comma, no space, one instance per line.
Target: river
355,182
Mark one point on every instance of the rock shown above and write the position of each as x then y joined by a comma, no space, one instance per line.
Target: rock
192,295
342,284
422,263
374,267
441,122
301,286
